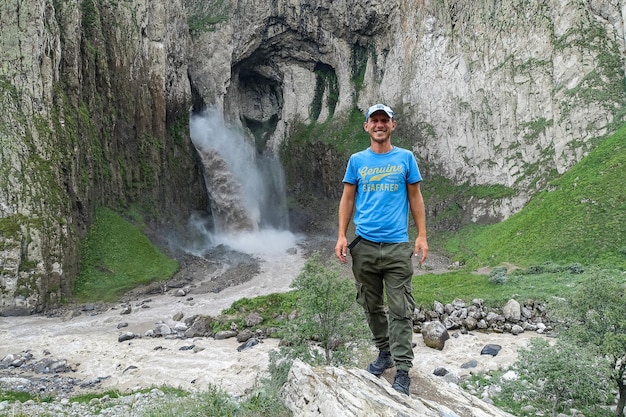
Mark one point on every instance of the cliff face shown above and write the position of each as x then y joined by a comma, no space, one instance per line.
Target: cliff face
490,92
95,95
94,98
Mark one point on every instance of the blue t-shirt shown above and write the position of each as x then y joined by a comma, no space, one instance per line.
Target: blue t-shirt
382,204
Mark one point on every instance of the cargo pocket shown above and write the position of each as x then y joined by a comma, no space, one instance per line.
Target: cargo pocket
360,296
409,300
402,305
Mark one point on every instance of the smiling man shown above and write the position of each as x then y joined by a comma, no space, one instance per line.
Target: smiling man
380,187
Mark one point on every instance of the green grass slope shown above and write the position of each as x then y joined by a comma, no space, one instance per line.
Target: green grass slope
116,257
581,219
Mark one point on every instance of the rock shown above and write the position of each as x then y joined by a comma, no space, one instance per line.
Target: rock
451,378
517,329
253,319
199,326
470,364
440,371
435,335
188,347
438,308
339,392
180,327
127,336
7,359
244,335
162,329
70,315
509,376
225,334
250,343
491,349
470,323
512,311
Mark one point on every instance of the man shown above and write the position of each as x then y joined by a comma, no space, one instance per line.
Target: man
381,186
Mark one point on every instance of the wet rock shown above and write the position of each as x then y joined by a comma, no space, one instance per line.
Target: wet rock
440,371
188,347
491,349
127,336
162,329
199,326
130,368
180,327
244,335
250,343
470,364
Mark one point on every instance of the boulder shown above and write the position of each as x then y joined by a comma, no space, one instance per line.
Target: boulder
339,392
435,335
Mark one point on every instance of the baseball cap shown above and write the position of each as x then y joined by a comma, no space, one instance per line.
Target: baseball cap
377,107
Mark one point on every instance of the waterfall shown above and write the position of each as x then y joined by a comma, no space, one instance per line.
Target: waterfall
246,189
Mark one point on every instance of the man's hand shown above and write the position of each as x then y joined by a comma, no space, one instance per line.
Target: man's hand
341,250
421,245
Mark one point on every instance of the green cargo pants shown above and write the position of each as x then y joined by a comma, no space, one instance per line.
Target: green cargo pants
387,267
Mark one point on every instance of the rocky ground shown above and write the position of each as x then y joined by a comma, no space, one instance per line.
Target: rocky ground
78,349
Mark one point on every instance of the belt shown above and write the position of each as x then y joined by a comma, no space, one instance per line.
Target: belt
359,238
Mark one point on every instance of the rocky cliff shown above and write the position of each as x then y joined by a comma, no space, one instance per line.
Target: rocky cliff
95,97
506,93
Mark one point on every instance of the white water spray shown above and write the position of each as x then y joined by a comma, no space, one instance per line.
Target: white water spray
246,191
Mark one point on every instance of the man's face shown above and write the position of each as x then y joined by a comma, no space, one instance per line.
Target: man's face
379,126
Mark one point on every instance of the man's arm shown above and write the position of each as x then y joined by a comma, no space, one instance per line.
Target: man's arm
416,204
346,208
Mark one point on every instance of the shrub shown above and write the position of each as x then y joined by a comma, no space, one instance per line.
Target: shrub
498,275
330,323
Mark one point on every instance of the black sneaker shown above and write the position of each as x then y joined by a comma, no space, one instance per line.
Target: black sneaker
401,382
381,363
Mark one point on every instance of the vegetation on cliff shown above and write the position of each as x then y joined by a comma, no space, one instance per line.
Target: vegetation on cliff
116,257
581,217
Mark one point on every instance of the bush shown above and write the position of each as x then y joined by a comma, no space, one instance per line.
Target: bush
544,268
330,324
575,269
498,275
557,377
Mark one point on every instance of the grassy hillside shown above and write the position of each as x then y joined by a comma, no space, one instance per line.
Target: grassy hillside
117,257
582,218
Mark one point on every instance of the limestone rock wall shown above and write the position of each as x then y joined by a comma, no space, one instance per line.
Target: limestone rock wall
94,98
495,93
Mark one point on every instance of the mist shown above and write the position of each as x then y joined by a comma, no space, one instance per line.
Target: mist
248,210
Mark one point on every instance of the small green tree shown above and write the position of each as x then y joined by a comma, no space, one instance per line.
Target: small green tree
561,374
327,314
595,316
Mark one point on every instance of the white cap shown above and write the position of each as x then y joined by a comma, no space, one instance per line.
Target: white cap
379,107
